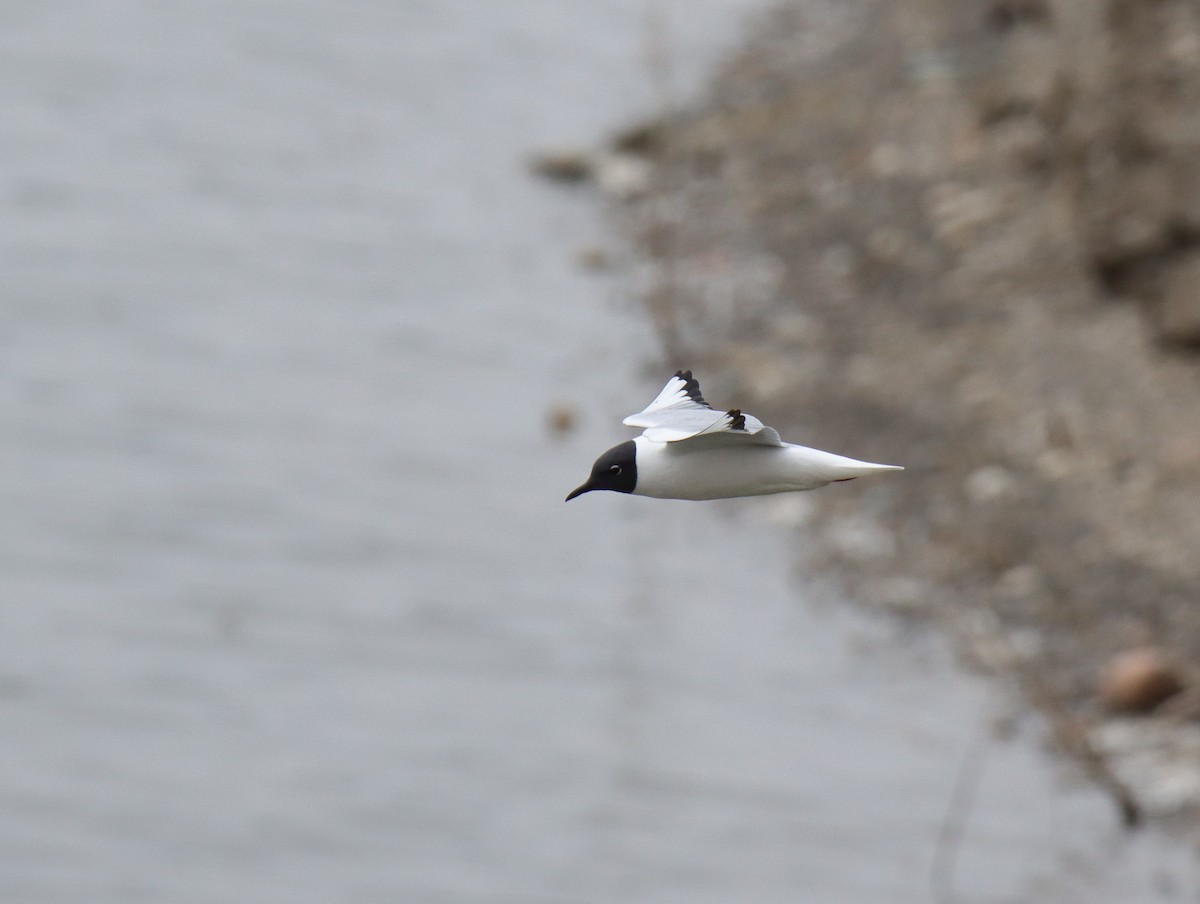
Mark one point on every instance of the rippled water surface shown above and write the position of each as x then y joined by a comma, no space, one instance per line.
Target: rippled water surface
292,608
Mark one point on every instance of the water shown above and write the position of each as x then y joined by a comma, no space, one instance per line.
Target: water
292,608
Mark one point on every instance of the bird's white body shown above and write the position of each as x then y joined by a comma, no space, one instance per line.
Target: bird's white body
698,471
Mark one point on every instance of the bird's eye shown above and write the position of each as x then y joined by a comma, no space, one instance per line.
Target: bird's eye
615,469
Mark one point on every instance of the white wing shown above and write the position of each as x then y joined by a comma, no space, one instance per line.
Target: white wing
680,413
681,394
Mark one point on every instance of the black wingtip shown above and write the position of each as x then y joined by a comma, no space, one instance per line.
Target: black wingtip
737,420
692,387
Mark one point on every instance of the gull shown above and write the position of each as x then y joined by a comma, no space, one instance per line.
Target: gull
689,450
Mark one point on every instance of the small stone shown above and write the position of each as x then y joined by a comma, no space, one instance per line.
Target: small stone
1138,680
561,419
563,166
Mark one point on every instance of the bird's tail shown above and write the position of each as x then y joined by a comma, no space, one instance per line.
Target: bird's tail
838,467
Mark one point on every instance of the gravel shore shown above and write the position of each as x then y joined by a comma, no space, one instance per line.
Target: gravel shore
966,238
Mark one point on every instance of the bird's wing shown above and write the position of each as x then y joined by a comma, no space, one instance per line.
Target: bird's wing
710,428
679,414
681,394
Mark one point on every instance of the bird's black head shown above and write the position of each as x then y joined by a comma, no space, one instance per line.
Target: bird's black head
616,470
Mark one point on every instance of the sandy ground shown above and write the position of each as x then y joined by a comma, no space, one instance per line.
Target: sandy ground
964,238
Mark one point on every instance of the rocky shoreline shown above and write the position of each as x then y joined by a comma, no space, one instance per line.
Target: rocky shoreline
966,238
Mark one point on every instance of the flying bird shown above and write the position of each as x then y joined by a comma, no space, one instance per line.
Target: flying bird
690,450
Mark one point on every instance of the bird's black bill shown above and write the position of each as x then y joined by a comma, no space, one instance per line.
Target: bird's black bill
579,491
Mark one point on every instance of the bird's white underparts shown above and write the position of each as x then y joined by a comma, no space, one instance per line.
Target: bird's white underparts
690,450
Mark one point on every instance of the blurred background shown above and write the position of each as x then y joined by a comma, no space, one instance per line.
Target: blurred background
292,608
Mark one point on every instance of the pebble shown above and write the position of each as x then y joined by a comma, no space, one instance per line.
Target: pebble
561,419
1138,680
568,166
